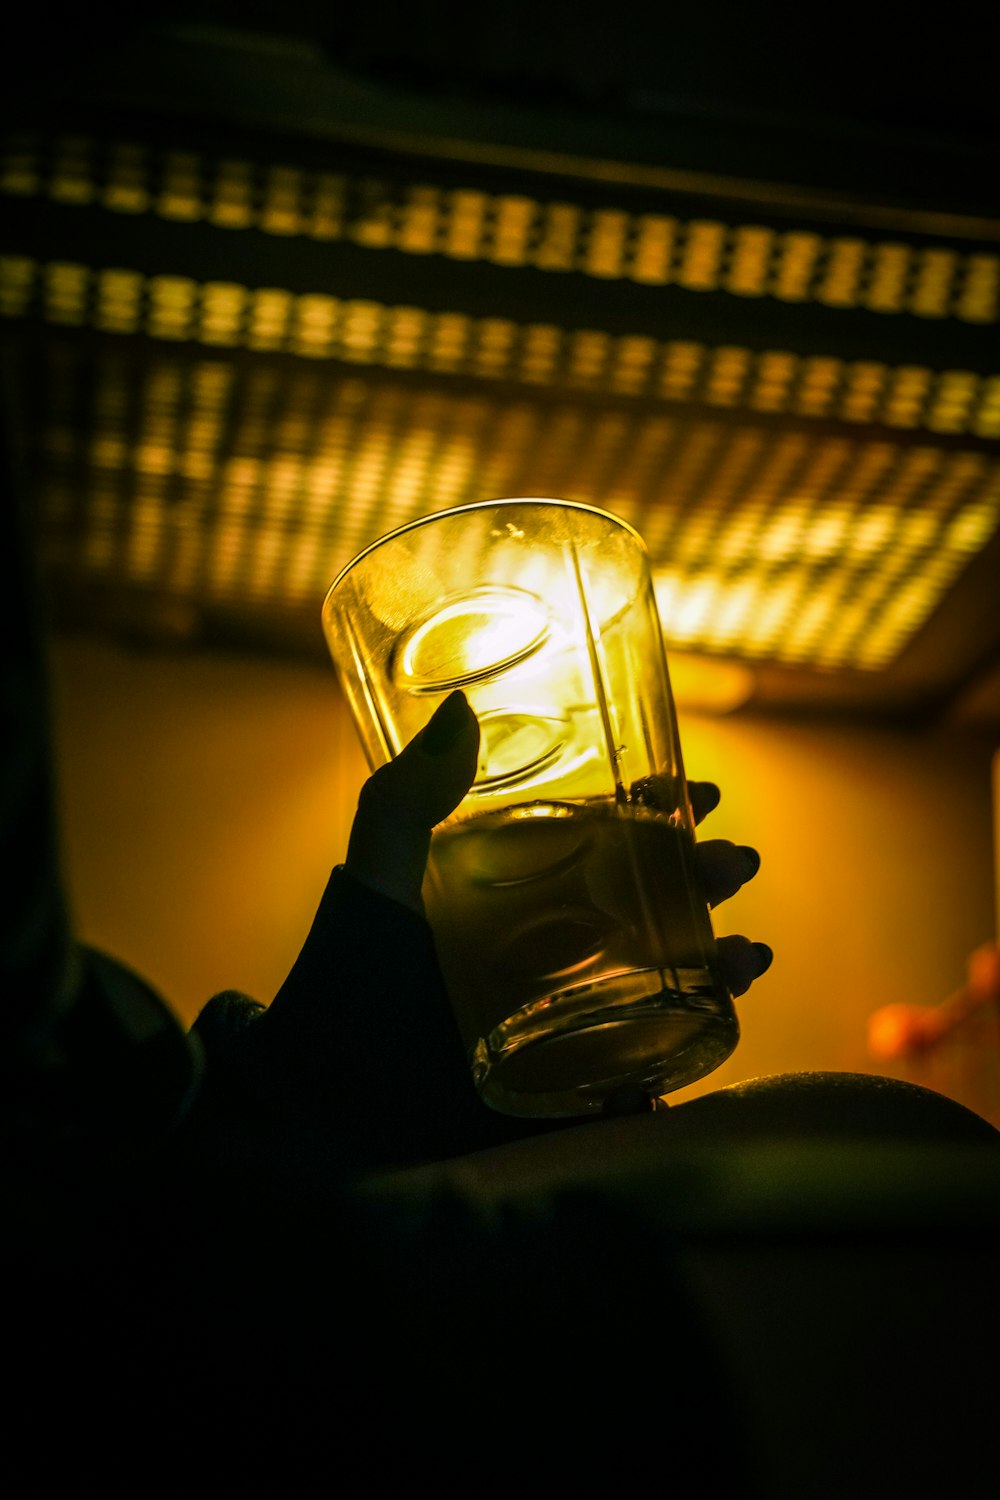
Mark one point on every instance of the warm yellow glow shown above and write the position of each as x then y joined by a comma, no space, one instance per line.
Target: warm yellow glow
702,258
981,293
801,547
222,306
840,585
706,684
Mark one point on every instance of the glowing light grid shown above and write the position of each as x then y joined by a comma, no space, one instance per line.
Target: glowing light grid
466,223
249,486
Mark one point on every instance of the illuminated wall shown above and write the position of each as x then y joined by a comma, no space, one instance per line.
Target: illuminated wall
205,799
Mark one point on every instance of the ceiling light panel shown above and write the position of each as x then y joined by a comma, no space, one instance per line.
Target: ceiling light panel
809,493
192,475
422,218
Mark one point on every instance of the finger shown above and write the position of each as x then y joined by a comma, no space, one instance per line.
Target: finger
705,797
741,962
402,801
724,867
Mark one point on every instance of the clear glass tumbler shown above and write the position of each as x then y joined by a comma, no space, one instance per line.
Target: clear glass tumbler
575,942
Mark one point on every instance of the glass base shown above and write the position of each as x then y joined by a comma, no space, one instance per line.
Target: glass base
655,1029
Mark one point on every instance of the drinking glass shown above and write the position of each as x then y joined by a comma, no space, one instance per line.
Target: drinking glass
575,941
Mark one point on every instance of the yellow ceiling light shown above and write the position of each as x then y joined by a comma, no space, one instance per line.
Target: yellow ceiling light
829,586
806,506
808,550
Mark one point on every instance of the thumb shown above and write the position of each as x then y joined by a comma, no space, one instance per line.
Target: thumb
402,801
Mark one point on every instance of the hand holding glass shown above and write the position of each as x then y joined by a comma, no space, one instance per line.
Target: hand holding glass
575,942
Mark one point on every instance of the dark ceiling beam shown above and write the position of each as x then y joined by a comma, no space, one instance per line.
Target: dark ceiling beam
753,124
34,227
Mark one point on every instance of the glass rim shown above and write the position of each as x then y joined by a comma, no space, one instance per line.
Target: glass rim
544,501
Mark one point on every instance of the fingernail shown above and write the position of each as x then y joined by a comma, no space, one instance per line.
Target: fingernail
446,724
765,957
751,860
712,795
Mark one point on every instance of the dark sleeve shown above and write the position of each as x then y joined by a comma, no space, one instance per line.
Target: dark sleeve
93,1060
39,969
359,1043
358,1047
